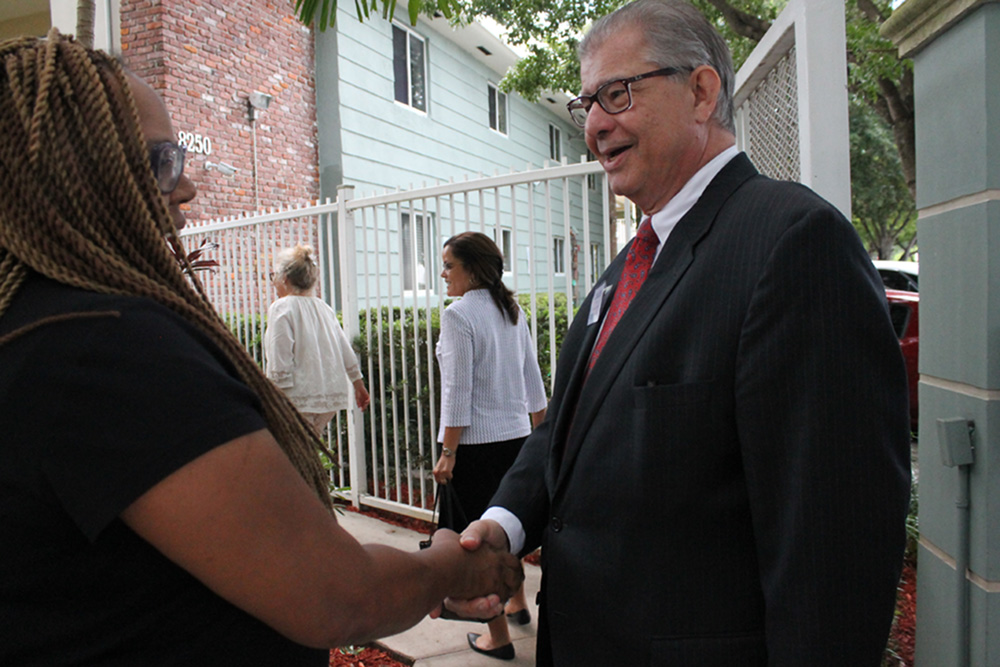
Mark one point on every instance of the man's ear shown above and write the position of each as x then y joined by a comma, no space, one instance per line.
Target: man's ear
705,84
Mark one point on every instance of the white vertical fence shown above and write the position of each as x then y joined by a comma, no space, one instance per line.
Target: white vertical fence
379,254
380,259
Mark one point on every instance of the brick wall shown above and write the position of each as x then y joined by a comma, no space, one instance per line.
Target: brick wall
204,57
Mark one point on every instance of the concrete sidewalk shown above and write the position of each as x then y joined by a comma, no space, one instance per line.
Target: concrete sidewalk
438,643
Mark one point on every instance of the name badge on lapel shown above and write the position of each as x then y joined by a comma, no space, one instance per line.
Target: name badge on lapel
600,292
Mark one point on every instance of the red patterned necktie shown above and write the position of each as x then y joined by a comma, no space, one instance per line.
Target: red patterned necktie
637,264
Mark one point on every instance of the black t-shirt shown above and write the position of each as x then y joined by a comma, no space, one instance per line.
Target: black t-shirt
94,411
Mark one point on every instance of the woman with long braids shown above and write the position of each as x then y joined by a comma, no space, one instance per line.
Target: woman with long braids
161,502
490,383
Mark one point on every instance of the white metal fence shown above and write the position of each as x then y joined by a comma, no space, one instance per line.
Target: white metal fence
379,261
379,254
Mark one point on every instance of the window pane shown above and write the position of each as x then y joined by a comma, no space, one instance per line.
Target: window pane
491,94
428,255
555,150
406,249
502,112
402,81
421,249
415,231
505,248
417,84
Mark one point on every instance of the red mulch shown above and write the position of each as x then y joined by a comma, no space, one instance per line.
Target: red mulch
367,657
902,638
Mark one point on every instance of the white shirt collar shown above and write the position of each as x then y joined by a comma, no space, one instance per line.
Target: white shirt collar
667,217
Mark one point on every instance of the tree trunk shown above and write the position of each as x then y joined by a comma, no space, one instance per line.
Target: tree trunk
896,107
742,23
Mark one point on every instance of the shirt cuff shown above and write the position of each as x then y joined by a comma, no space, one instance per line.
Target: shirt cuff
510,524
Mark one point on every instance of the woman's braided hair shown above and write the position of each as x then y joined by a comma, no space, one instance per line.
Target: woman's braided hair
79,204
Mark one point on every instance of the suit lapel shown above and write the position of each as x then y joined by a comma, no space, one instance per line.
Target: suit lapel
578,370
678,252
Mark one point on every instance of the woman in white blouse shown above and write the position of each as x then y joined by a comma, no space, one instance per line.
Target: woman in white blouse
306,351
490,383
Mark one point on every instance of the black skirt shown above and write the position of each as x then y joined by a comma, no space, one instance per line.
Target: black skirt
476,477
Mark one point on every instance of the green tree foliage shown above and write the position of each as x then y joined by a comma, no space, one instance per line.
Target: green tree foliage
550,30
325,11
883,210
881,86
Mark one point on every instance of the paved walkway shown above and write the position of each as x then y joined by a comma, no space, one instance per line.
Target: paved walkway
438,643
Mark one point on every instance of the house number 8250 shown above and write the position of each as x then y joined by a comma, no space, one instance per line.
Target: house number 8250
195,142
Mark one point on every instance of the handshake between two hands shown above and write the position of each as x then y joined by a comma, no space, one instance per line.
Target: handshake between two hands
490,573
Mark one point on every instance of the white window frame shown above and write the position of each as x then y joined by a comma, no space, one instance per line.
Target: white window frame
505,243
555,143
497,109
411,36
416,237
591,178
558,256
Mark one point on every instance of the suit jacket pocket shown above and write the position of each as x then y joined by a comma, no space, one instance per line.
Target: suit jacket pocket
679,448
658,396
679,412
746,650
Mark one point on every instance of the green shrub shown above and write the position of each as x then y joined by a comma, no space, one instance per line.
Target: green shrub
406,386
408,403
249,331
543,345
397,381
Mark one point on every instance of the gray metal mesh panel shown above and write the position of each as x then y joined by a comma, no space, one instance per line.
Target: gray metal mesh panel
772,122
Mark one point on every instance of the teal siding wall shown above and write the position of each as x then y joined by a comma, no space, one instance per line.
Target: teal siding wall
385,145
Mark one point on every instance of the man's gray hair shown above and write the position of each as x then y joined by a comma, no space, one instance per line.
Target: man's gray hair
677,35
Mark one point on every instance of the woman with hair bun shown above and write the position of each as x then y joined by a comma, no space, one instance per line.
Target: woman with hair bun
307,352
490,383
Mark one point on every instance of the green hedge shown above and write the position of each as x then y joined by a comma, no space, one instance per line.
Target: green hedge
409,409
416,395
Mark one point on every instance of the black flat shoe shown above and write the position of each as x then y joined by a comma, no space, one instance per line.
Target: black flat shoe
522,617
505,652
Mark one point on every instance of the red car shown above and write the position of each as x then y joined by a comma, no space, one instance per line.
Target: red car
904,310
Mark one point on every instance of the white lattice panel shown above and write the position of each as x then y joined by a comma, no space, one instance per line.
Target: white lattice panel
772,122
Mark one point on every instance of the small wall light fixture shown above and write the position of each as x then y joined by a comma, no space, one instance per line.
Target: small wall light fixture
224,168
257,102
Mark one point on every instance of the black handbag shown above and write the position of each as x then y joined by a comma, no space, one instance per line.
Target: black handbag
426,543
454,510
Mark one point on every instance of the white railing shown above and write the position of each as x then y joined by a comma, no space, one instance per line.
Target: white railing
379,254
380,258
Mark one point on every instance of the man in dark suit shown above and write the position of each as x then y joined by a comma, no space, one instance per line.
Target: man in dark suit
723,477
